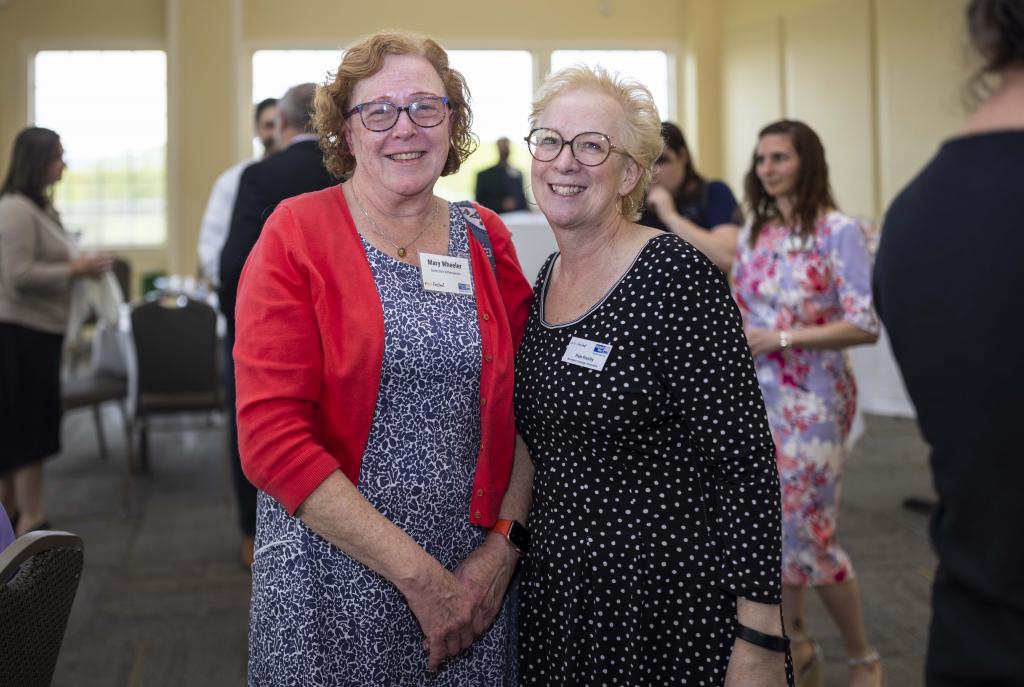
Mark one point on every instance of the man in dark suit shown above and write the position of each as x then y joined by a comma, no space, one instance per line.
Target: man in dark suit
298,168
500,187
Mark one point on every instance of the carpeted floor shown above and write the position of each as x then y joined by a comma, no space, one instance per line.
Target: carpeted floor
164,599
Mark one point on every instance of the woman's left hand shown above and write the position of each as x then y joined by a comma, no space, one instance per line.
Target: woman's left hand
763,340
752,665
485,574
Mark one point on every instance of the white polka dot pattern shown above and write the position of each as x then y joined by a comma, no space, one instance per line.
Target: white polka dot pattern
656,497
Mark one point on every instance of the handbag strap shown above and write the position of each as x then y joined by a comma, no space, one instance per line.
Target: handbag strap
478,230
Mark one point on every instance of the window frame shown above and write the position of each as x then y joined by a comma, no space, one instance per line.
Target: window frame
28,53
539,51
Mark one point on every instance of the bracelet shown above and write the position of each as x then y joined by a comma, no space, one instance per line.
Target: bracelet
785,339
770,642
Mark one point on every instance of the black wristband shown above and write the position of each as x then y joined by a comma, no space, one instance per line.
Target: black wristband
770,642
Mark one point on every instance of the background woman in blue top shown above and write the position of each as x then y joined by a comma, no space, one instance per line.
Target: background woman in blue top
705,213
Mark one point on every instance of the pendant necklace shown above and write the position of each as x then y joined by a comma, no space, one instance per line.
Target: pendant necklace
402,250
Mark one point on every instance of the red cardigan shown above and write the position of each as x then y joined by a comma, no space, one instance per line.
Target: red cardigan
309,345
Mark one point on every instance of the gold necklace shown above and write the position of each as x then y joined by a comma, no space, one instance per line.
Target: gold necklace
402,250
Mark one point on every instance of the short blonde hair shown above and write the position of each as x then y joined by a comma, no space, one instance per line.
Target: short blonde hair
643,141
363,60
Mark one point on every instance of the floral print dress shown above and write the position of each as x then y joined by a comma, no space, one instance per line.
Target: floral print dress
784,283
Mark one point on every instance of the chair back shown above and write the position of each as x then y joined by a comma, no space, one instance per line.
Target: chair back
176,347
39,576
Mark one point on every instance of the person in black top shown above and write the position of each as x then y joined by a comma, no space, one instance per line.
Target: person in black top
948,271
298,168
500,188
655,522
680,200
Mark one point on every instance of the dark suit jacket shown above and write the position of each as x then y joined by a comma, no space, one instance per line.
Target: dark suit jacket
297,169
496,183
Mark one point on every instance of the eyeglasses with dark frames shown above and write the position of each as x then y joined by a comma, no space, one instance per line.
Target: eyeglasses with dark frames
381,115
590,148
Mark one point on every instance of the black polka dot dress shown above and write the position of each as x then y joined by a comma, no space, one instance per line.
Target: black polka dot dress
656,498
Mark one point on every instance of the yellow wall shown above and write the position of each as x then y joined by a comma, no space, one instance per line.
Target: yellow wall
466,23
209,46
27,26
881,80
699,83
923,65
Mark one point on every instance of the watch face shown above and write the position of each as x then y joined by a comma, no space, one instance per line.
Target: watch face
519,536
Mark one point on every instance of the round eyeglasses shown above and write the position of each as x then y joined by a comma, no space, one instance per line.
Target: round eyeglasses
381,115
590,148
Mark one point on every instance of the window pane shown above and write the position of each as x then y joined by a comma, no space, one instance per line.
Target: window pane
501,83
649,67
275,71
110,109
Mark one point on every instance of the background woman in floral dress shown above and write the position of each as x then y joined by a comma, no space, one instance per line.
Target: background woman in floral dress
802,281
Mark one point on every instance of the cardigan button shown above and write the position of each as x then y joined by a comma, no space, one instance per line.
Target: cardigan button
488,357
479,492
486,317
483,401
477,515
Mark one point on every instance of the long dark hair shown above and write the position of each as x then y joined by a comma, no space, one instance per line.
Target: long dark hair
35,148
813,192
691,191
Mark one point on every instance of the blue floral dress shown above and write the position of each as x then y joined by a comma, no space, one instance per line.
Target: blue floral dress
783,283
318,616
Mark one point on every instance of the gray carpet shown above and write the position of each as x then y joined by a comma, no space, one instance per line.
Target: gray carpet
164,599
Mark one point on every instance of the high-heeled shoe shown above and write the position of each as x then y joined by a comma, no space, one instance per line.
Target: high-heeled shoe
868,659
812,673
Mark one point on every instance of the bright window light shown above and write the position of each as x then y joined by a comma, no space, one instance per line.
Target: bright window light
110,109
501,84
275,71
649,67
500,81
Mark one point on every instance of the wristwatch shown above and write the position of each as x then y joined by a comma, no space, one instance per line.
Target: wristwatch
516,533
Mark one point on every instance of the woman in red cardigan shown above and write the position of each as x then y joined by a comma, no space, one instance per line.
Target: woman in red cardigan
376,330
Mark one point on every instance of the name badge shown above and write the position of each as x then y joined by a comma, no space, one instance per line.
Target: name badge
589,354
446,274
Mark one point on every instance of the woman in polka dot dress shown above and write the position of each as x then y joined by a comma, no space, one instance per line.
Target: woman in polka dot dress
805,295
655,518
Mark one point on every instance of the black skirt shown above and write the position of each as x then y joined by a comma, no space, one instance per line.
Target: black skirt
30,405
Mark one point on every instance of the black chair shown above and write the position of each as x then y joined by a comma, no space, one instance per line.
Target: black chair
39,576
176,347
94,390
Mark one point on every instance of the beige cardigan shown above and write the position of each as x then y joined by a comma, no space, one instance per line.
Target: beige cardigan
35,266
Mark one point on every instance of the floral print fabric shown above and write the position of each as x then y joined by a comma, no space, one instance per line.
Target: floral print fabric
784,282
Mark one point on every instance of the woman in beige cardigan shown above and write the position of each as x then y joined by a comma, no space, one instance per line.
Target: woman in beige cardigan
37,266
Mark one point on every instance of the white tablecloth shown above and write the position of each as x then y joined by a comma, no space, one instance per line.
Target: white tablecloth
879,384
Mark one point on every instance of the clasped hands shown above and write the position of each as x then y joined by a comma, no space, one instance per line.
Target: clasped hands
456,609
